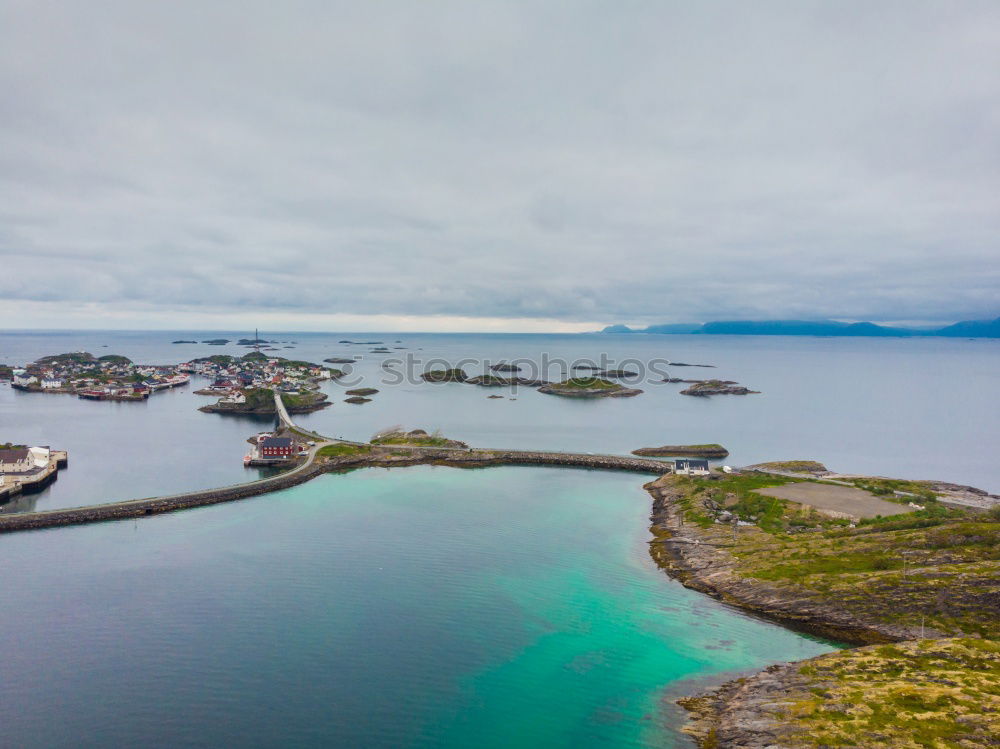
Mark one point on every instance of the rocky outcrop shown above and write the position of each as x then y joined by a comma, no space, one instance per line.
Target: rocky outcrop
589,387
445,375
717,387
684,451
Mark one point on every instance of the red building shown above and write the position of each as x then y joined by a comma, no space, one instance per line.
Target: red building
276,447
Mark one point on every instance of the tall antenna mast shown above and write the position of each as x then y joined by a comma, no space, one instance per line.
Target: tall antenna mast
256,340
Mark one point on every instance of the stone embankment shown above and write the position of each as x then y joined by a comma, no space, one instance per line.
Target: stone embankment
402,455
155,505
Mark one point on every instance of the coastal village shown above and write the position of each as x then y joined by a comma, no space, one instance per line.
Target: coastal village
231,376
109,377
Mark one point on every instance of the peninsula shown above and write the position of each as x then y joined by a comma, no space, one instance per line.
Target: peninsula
927,577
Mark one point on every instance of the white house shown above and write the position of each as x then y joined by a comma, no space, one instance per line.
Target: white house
691,467
51,383
23,378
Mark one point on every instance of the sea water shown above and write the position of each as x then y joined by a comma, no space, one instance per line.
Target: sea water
417,607
910,408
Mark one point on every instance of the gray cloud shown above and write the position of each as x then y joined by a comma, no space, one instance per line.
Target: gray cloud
641,161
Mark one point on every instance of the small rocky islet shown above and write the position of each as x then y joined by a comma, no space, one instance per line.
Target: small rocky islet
711,451
588,387
705,388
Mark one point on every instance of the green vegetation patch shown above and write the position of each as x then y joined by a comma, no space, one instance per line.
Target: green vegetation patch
445,375
794,466
77,357
416,437
340,451
297,400
887,488
114,359
925,693
586,383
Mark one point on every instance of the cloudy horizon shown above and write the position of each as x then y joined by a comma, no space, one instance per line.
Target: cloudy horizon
515,166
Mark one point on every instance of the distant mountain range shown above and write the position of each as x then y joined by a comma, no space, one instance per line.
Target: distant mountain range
966,329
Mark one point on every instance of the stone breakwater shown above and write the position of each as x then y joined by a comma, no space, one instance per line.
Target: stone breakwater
136,508
396,455
400,455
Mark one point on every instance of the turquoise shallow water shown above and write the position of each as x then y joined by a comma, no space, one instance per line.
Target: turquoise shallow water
414,607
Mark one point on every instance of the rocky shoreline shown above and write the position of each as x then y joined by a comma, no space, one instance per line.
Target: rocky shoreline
757,711
681,550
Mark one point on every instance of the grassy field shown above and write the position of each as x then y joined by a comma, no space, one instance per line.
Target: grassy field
923,693
339,451
415,437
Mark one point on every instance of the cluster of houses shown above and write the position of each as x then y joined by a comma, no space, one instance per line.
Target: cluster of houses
231,377
106,378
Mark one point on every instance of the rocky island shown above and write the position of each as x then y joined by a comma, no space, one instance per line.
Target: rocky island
588,387
711,451
444,375
717,387
505,367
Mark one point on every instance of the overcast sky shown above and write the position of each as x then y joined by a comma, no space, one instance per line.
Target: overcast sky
473,165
